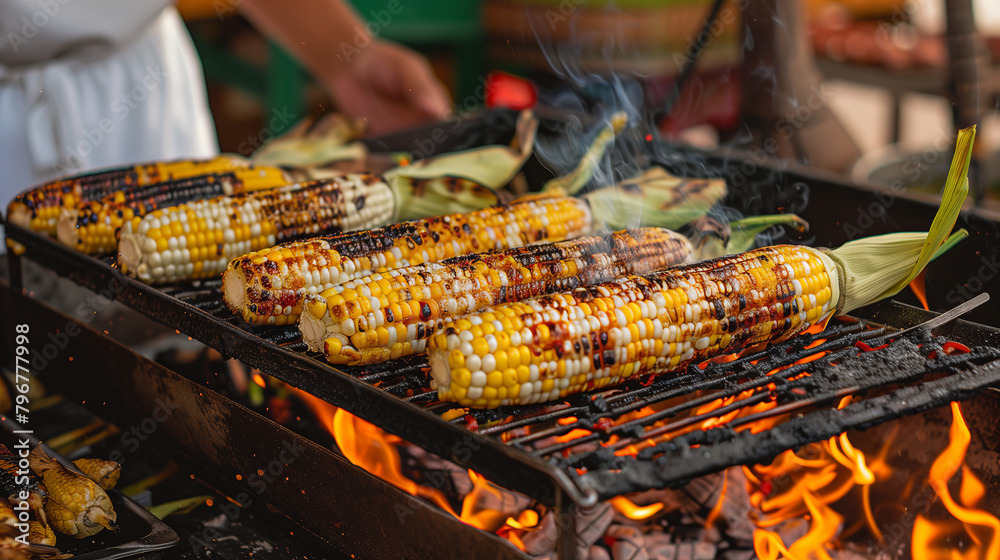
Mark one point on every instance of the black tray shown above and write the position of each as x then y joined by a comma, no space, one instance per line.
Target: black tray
140,532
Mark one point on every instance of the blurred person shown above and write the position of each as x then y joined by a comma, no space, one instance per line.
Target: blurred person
86,85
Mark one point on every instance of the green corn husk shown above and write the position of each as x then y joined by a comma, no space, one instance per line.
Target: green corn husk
312,143
490,166
655,198
742,235
460,181
179,506
880,266
572,182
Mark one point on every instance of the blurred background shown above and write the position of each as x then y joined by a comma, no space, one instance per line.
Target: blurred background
880,67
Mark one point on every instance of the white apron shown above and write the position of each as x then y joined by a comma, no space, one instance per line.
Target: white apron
102,83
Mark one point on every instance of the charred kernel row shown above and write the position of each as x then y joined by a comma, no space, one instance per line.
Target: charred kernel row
591,338
393,313
197,240
39,207
269,286
92,228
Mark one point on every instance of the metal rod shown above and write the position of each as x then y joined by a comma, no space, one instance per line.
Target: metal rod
565,512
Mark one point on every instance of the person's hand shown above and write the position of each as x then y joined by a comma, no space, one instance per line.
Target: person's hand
390,86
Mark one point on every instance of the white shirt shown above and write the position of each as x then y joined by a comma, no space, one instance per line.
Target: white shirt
99,83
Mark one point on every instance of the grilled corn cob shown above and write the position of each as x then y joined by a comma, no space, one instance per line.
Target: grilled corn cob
591,338
545,348
14,546
198,240
13,483
77,506
391,314
38,208
268,287
92,228
104,473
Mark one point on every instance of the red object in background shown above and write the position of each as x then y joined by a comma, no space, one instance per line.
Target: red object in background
509,91
711,98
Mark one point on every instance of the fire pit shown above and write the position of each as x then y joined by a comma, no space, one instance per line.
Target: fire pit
570,459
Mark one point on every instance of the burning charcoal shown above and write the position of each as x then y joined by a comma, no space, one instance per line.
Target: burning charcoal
657,539
683,551
663,551
542,539
592,523
737,554
703,551
629,543
597,553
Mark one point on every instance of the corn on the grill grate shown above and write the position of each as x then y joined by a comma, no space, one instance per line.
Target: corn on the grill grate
545,348
39,208
269,286
93,228
549,347
197,240
393,313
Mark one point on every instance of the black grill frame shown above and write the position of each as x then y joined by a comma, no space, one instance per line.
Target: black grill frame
276,351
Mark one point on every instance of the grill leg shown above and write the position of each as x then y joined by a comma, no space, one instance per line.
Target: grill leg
565,513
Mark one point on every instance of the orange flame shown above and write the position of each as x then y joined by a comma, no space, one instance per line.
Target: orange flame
934,540
370,448
820,475
823,529
919,287
375,450
630,510
717,508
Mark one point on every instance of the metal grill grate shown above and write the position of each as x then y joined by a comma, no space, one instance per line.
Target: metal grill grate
805,376
516,446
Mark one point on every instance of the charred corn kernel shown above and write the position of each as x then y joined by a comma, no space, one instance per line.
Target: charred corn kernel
39,208
465,284
237,225
255,291
597,336
92,228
